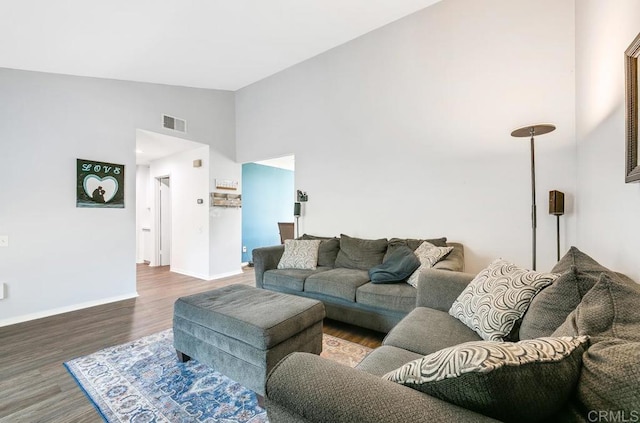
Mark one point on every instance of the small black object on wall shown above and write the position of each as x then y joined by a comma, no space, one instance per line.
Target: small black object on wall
556,208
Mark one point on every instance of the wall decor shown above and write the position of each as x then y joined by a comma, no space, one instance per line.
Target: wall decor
218,199
99,184
632,171
226,184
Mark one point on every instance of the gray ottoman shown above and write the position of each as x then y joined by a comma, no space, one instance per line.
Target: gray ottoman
242,331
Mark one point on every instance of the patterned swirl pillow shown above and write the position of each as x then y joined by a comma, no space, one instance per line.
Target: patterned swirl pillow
429,255
299,254
497,298
525,381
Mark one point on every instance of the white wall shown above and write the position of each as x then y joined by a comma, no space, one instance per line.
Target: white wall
608,210
143,211
189,220
405,131
225,223
61,257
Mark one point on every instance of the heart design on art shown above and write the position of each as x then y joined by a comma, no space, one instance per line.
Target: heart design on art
100,190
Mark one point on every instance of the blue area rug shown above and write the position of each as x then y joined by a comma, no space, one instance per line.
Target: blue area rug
143,381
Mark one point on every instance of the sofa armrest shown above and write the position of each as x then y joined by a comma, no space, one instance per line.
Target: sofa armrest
438,289
307,388
266,258
454,260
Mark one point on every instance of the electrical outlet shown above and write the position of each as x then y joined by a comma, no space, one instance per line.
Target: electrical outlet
4,240
244,248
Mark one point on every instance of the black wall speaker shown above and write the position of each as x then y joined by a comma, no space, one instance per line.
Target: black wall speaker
556,203
296,209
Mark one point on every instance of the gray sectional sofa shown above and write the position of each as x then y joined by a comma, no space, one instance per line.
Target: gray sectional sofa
589,300
341,280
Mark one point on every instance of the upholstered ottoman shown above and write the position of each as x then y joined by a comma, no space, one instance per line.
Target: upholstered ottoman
242,331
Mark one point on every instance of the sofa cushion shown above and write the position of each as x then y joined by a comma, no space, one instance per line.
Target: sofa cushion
497,298
609,309
363,254
610,377
397,297
328,250
583,262
299,254
425,330
396,266
429,255
553,304
527,381
413,244
339,283
288,279
385,359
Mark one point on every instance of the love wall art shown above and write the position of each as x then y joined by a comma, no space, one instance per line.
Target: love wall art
99,184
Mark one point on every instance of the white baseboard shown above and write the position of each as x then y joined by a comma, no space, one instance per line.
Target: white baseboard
187,273
225,275
207,277
60,310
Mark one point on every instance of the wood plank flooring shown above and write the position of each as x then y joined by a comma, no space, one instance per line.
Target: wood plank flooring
34,385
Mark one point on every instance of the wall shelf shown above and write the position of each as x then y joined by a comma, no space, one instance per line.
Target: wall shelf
218,199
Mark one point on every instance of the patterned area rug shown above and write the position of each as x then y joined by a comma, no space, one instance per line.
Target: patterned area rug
142,381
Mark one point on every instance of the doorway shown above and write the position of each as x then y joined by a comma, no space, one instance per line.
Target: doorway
268,194
163,253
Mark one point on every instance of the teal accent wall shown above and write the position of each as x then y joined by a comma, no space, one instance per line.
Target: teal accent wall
267,198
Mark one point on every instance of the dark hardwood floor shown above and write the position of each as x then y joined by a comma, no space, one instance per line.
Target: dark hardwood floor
34,385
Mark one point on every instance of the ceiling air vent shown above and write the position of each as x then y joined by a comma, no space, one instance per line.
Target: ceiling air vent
174,123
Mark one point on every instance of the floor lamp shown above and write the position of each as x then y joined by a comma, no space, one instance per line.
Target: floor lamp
531,131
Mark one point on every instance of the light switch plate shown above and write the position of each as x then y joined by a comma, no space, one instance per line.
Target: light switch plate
4,240
3,289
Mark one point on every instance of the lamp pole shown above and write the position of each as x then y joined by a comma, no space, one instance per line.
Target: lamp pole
533,201
532,131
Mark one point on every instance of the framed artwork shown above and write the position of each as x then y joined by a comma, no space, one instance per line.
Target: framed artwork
632,171
99,184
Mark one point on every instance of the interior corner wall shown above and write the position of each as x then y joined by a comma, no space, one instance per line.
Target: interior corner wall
60,257
268,199
405,131
607,207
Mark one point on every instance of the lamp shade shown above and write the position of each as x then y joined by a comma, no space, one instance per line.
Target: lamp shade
532,130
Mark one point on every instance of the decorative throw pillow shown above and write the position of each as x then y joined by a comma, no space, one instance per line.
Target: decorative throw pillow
524,381
413,243
328,250
609,309
553,304
428,254
396,267
610,378
357,253
497,298
299,254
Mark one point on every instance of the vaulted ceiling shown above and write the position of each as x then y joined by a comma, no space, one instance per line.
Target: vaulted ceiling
219,44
